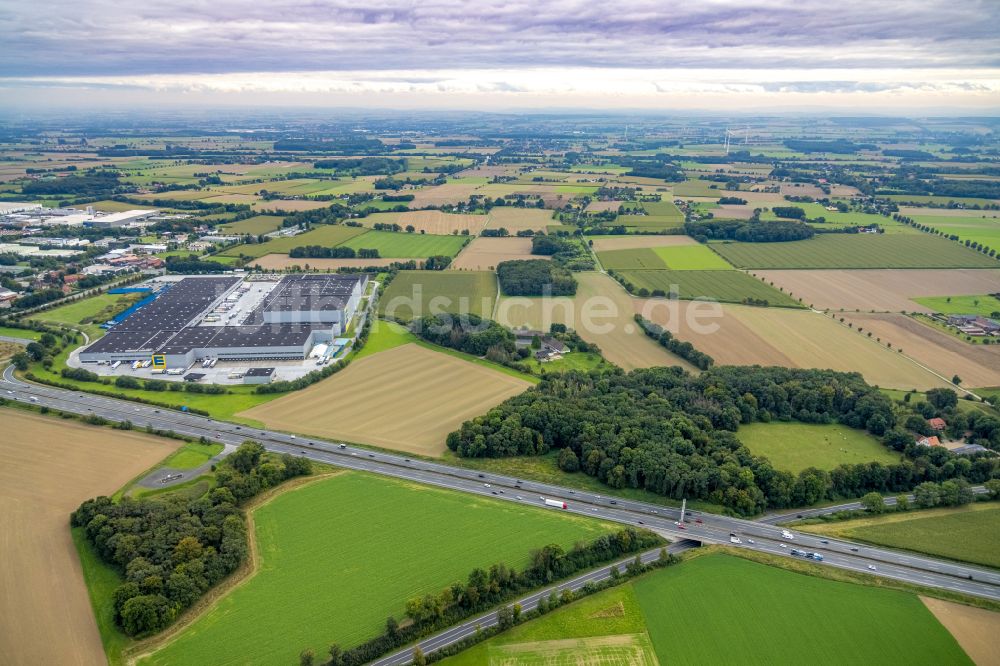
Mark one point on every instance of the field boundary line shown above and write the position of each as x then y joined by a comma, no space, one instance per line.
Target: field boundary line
908,358
149,646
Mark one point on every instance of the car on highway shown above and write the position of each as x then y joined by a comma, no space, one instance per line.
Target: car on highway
783,545
342,446
698,520
751,541
293,436
853,549
518,497
735,539
872,567
823,541
487,485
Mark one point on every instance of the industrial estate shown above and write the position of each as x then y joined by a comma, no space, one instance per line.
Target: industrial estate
204,320
621,387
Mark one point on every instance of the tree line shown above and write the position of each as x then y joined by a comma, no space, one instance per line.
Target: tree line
682,348
748,231
172,549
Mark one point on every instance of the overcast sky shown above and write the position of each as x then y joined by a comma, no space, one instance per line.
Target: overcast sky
699,54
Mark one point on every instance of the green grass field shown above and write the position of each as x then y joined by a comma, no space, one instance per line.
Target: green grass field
385,335
191,455
971,533
102,580
838,219
22,333
612,612
691,258
985,230
88,314
424,292
725,610
726,285
718,609
856,251
391,244
984,305
795,446
635,259
259,224
327,235
340,555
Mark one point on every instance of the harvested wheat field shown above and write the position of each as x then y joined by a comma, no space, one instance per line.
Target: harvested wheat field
439,195
515,219
289,205
430,221
733,212
813,340
975,629
882,290
792,338
600,206
279,262
47,467
601,312
726,339
407,398
483,254
638,241
977,365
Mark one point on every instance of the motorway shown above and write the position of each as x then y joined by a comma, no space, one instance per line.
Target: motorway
703,527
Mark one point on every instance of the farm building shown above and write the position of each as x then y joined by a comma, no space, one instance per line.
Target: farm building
550,345
201,318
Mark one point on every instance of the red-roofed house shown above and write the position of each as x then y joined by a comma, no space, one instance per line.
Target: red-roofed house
937,423
929,441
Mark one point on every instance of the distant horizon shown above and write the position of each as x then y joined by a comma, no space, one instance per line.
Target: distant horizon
939,57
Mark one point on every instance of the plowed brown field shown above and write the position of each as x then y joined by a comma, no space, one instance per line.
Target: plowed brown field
483,254
47,467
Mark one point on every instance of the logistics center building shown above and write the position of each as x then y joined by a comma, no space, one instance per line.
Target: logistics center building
297,313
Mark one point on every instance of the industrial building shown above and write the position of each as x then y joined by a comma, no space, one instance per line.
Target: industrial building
228,319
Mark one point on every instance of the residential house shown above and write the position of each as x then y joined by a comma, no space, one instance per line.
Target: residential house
937,423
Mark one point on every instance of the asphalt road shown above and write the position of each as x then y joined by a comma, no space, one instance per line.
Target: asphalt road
528,603
766,537
788,516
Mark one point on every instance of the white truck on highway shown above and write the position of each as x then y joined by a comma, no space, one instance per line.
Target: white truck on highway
787,535
559,504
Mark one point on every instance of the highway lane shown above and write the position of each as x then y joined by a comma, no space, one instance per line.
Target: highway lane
528,603
712,528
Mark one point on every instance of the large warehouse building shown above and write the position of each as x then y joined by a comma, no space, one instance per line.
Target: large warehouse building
200,318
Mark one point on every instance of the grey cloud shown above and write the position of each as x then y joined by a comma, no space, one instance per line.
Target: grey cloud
101,37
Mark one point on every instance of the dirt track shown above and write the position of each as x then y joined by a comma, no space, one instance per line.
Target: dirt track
47,467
